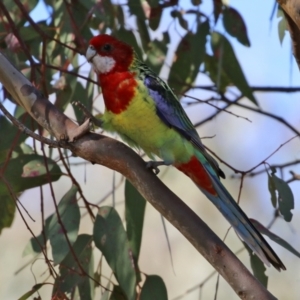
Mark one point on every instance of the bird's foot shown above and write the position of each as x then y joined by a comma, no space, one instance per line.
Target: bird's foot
153,165
96,121
78,132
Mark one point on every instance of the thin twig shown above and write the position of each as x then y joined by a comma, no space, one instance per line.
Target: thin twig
215,106
257,165
260,111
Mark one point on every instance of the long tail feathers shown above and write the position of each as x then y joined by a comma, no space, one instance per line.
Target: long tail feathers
208,182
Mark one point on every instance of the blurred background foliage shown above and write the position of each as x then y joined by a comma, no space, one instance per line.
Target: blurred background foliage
191,44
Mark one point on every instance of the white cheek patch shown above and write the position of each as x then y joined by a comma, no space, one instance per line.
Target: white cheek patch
103,64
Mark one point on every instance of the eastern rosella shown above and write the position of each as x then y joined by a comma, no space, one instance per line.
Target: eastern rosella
145,112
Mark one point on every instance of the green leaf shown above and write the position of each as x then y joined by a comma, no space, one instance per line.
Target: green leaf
7,211
154,288
71,275
211,68
257,267
235,25
117,294
87,286
87,4
189,55
29,33
34,245
14,182
227,61
120,15
79,15
111,239
34,289
35,167
66,91
135,8
144,33
155,13
176,14
85,96
11,139
196,2
262,229
105,295
282,24
218,6
156,54
285,197
26,149
54,53
128,37
105,16
272,190
68,210
134,213
14,170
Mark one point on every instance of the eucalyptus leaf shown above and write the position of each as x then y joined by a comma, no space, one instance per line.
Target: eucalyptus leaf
188,57
284,198
262,229
34,289
282,24
65,226
257,267
14,170
227,62
7,211
111,239
71,275
134,213
235,25
154,288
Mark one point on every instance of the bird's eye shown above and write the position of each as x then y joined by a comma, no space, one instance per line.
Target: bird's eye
107,47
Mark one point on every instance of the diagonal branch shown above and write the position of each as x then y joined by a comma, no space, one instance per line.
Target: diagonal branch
115,155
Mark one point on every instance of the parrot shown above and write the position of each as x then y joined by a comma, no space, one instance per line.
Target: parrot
144,111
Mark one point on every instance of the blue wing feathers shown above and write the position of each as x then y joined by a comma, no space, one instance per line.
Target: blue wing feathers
170,111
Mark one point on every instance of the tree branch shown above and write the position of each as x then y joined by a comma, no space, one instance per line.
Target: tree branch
115,155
